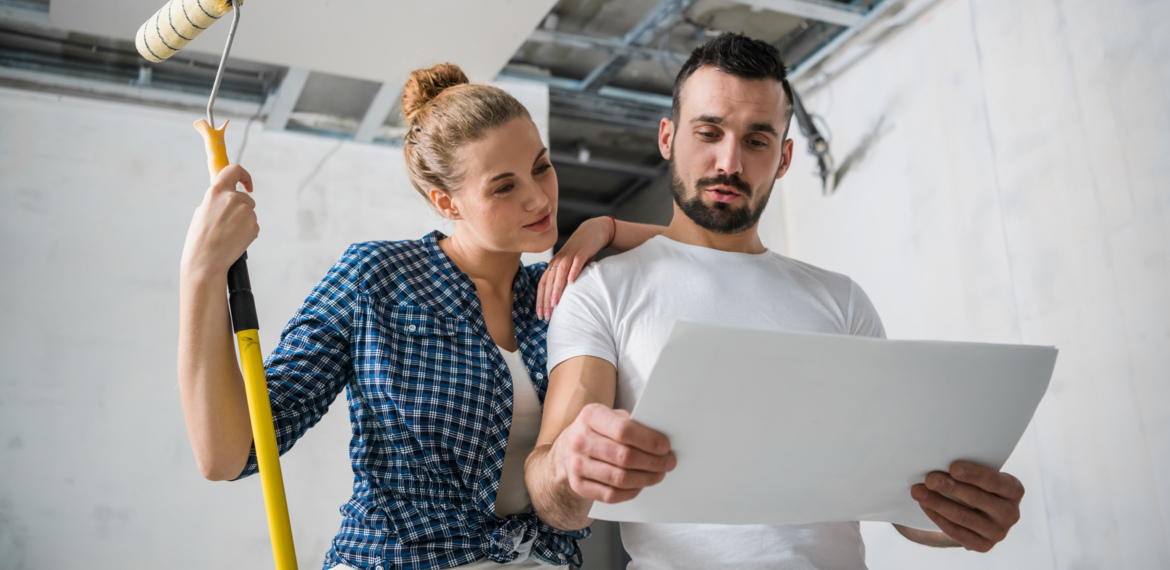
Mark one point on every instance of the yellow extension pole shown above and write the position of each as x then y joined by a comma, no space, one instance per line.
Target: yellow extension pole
246,324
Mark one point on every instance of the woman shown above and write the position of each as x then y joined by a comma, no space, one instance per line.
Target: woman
438,342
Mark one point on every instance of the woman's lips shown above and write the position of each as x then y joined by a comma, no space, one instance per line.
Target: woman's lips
541,225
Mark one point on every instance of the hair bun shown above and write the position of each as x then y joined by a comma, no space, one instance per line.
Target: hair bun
426,84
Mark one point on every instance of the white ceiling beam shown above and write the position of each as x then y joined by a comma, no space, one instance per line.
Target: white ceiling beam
286,98
376,115
80,86
28,14
820,10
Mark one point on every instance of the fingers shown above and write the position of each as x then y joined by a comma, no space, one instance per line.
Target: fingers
593,490
995,507
617,477
959,515
988,479
969,540
546,287
579,263
231,175
559,283
540,295
601,448
617,425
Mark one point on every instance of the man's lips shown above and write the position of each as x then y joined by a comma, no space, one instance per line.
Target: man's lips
541,224
721,193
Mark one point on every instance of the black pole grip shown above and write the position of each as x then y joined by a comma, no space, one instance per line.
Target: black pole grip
240,300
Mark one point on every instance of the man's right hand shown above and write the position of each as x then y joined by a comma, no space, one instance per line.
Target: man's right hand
606,456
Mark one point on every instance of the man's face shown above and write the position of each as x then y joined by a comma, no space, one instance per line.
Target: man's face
727,148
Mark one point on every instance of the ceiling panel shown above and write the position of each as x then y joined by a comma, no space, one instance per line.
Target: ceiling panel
378,40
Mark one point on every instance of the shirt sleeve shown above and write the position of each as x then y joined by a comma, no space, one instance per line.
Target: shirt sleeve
582,323
863,316
311,364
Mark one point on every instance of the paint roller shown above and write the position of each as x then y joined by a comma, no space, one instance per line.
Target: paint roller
176,24
164,34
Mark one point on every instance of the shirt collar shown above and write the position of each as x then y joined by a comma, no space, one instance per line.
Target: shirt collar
461,298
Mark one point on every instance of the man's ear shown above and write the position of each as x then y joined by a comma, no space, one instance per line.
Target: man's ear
665,137
785,158
444,203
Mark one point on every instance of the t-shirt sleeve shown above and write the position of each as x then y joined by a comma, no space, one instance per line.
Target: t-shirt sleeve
863,316
582,323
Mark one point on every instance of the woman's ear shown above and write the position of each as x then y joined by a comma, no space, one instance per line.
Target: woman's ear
444,204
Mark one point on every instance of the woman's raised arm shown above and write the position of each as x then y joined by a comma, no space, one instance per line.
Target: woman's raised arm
210,384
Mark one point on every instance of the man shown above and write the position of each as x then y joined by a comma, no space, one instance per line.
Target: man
727,143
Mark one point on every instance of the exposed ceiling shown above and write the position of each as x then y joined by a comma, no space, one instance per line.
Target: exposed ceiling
336,68
374,40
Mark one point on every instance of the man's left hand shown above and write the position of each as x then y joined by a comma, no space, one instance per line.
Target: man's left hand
973,504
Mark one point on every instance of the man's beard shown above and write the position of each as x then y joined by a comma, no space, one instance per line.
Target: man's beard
719,217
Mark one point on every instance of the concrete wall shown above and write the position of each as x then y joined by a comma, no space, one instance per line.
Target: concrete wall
96,471
1008,183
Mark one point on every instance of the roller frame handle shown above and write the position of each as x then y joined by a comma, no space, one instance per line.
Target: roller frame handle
246,325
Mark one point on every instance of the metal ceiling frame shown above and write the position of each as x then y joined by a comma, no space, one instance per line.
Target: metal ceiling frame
658,20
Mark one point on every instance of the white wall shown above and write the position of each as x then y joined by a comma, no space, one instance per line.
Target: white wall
96,470
1016,191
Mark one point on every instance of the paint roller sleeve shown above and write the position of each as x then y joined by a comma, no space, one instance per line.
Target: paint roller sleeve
176,24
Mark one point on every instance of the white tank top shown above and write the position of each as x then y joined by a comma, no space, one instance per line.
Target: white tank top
512,496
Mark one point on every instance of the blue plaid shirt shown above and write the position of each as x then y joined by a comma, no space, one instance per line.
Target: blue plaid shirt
430,403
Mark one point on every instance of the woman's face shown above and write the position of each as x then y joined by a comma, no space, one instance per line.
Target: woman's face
508,198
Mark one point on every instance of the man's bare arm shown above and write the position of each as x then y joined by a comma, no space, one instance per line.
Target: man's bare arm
588,451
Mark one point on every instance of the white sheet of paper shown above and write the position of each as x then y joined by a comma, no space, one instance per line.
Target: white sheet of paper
791,428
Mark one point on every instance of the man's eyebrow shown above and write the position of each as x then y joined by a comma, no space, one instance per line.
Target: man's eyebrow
763,128
754,127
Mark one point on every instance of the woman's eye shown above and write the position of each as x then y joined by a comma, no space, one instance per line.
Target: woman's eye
504,189
543,168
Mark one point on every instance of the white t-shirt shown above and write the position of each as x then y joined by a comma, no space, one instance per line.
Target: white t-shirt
622,310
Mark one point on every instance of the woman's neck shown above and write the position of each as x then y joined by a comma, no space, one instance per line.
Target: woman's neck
484,267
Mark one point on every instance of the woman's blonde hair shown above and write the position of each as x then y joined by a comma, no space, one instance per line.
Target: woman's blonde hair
445,111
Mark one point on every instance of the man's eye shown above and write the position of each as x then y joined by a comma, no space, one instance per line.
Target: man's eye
758,143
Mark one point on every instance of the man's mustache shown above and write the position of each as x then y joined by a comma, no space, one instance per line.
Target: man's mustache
725,180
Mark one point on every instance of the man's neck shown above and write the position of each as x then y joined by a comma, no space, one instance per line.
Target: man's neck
684,230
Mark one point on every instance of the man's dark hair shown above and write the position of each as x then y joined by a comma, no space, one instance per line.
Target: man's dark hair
738,55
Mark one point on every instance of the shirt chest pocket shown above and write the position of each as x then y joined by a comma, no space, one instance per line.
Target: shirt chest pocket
439,377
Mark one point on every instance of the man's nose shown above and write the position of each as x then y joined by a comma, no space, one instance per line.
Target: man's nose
729,157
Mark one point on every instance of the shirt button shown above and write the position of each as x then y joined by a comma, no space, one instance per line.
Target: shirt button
539,376
412,328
